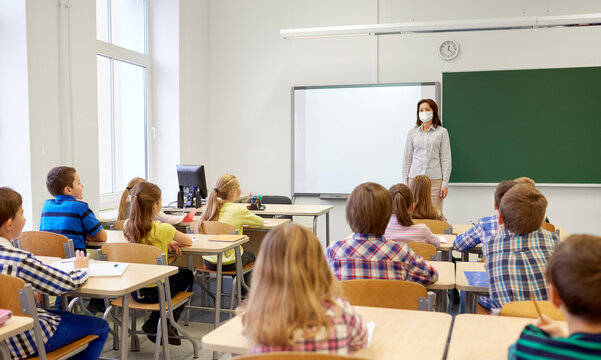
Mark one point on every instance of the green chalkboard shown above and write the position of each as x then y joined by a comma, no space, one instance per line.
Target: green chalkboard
540,123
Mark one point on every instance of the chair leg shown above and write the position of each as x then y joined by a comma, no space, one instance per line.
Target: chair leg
116,331
135,341
188,303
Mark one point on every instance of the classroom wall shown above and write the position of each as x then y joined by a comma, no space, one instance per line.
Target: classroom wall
251,70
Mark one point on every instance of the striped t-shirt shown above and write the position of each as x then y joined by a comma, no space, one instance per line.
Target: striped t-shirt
535,344
416,233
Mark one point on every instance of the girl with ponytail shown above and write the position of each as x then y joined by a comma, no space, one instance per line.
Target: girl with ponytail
220,207
124,204
401,226
142,228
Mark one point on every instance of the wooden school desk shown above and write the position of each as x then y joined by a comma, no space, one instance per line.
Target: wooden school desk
472,292
460,228
256,235
486,337
446,281
13,326
399,334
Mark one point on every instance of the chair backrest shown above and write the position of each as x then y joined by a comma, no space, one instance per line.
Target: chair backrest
10,286
422,249
548,226
436,226
276,199
527,309
131,253
394,294
296,356
215,228
119,225
44,243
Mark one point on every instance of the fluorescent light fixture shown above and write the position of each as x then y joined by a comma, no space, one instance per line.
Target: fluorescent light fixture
524,22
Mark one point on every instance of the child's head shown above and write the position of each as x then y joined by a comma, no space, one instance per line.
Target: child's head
11,214
421,187
368,209
574,273
126,198
292,280
524,180
64,180
145,206
522,209
402,203
502,188
227,188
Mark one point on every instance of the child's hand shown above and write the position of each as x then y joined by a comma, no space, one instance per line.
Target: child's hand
175,247
80,261
39,298
549,326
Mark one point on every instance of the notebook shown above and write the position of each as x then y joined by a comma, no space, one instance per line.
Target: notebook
443,240
227,238
96,268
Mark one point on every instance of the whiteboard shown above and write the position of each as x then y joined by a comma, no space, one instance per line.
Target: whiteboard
347,135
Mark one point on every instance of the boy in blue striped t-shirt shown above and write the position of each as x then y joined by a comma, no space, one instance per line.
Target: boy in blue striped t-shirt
574,275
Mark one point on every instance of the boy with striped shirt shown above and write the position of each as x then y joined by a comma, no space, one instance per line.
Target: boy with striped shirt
574,275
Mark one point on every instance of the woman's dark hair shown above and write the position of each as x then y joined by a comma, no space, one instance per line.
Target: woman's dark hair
435,119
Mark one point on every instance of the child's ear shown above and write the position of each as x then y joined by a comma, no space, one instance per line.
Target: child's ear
500,219
68,190
554,296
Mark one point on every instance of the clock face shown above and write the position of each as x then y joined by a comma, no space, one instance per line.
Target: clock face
448,50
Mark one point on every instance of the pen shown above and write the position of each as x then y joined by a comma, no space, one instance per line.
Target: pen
116,265
540,314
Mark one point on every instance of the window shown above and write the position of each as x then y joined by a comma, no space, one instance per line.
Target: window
123,67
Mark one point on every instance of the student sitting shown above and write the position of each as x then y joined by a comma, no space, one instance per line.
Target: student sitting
401,227
221,207
295,303
368,254
421,187
124,204
142,228
574,275
486,227
516,257
67,215
59,328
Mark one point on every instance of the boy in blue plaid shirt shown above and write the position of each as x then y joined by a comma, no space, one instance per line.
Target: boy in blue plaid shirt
516,257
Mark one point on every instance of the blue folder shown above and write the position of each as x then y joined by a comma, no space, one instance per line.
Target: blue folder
477,278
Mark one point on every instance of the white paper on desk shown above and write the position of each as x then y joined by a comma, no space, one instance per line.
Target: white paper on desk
371,327
97,268
442,239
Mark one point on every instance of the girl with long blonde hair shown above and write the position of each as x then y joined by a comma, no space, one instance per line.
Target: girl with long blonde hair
295,302
141,227
421,186
125,202
401,226
221,207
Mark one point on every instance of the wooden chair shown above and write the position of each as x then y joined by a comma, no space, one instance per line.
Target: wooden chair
436,226
427,251
393,294
296,356
18,298
44,243
526,309
146,254
118,225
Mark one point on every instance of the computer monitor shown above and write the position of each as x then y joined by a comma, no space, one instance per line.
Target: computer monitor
192,185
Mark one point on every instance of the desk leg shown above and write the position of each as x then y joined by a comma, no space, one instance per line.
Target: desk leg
163,313
124,321
441,301
465,256
315,225
327,229
239,275
218,290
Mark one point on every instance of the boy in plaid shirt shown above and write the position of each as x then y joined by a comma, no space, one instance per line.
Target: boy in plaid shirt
368,255
516,257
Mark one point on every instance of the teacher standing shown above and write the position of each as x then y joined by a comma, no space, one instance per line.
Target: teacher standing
428,151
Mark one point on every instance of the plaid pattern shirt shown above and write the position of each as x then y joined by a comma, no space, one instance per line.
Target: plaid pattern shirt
484,229
366,256
347,333
45,279
516,265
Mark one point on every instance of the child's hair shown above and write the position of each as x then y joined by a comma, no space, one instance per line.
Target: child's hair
126,198
574,270
368,209
59,178
421,186
523,209
524,180
141,212
435,118
291,281
502,188
10,201
224,185
402,198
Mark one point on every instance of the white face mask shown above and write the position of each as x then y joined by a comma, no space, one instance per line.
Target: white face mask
426,116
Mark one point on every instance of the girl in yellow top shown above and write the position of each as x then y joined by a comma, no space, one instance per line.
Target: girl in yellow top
220,207
141,228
